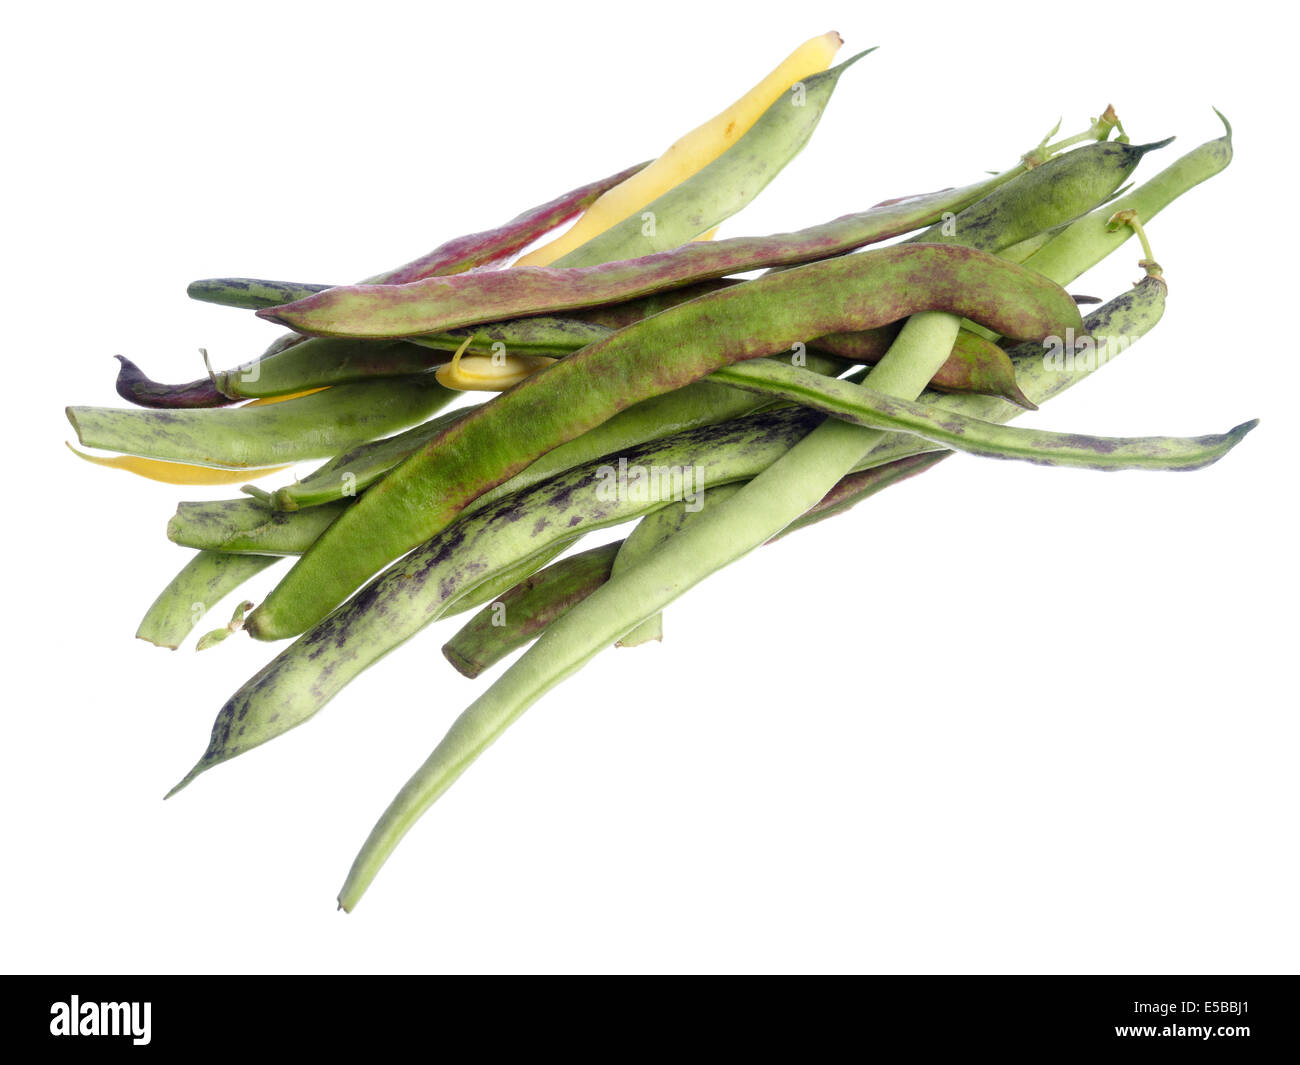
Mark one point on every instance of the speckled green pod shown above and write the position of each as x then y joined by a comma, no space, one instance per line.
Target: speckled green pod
205,580
315,426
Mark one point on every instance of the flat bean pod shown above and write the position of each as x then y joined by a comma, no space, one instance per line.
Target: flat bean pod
874,410
438,304
246,526
205,580
1087,241
521,613
315,426
1043,197
425,493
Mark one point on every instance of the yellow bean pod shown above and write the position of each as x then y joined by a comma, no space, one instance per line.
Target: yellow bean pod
175,472
692,153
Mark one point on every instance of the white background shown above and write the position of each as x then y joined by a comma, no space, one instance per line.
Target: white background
1059,734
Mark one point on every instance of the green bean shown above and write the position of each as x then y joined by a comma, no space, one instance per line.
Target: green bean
875,410
779,495
246,526
725,185
769,315
438,304
206,579
650,532
315,426
519,614
1075,181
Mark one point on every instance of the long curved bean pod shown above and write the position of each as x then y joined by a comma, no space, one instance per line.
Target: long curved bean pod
439,304
521,613
874,410
420,587
1077,181
316,426
425,493
725,185
782,493
204,581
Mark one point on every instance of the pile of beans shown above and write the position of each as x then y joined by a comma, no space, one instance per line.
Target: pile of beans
760,405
